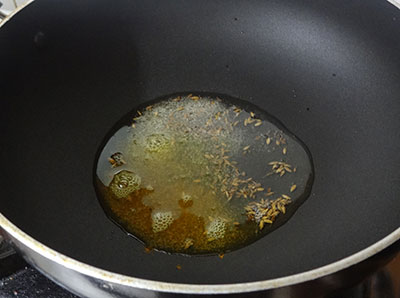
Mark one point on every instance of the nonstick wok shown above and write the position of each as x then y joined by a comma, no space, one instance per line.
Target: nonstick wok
329,70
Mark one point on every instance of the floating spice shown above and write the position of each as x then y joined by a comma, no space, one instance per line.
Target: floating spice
265,211
116,160
258,123
280,168
188,243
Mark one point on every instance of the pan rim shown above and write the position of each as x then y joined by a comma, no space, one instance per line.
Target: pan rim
107,276
146,284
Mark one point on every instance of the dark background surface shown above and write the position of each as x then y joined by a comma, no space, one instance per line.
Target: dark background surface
329,70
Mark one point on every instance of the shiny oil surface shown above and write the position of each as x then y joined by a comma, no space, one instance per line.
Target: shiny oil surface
201,174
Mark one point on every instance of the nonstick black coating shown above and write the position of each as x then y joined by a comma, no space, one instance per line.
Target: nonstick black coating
329,70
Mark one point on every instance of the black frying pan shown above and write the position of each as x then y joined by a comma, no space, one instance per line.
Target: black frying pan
329,70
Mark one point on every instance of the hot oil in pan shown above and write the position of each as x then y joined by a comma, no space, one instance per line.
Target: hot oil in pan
200,174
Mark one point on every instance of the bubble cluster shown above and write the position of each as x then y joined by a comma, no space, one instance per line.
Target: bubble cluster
161,220
156,142
216,228
124,183
186,198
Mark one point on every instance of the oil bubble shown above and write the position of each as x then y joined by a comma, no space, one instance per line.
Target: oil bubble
216,229
124,183
161,221
156,142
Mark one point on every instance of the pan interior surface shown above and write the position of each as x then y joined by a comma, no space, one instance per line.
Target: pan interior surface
70,68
